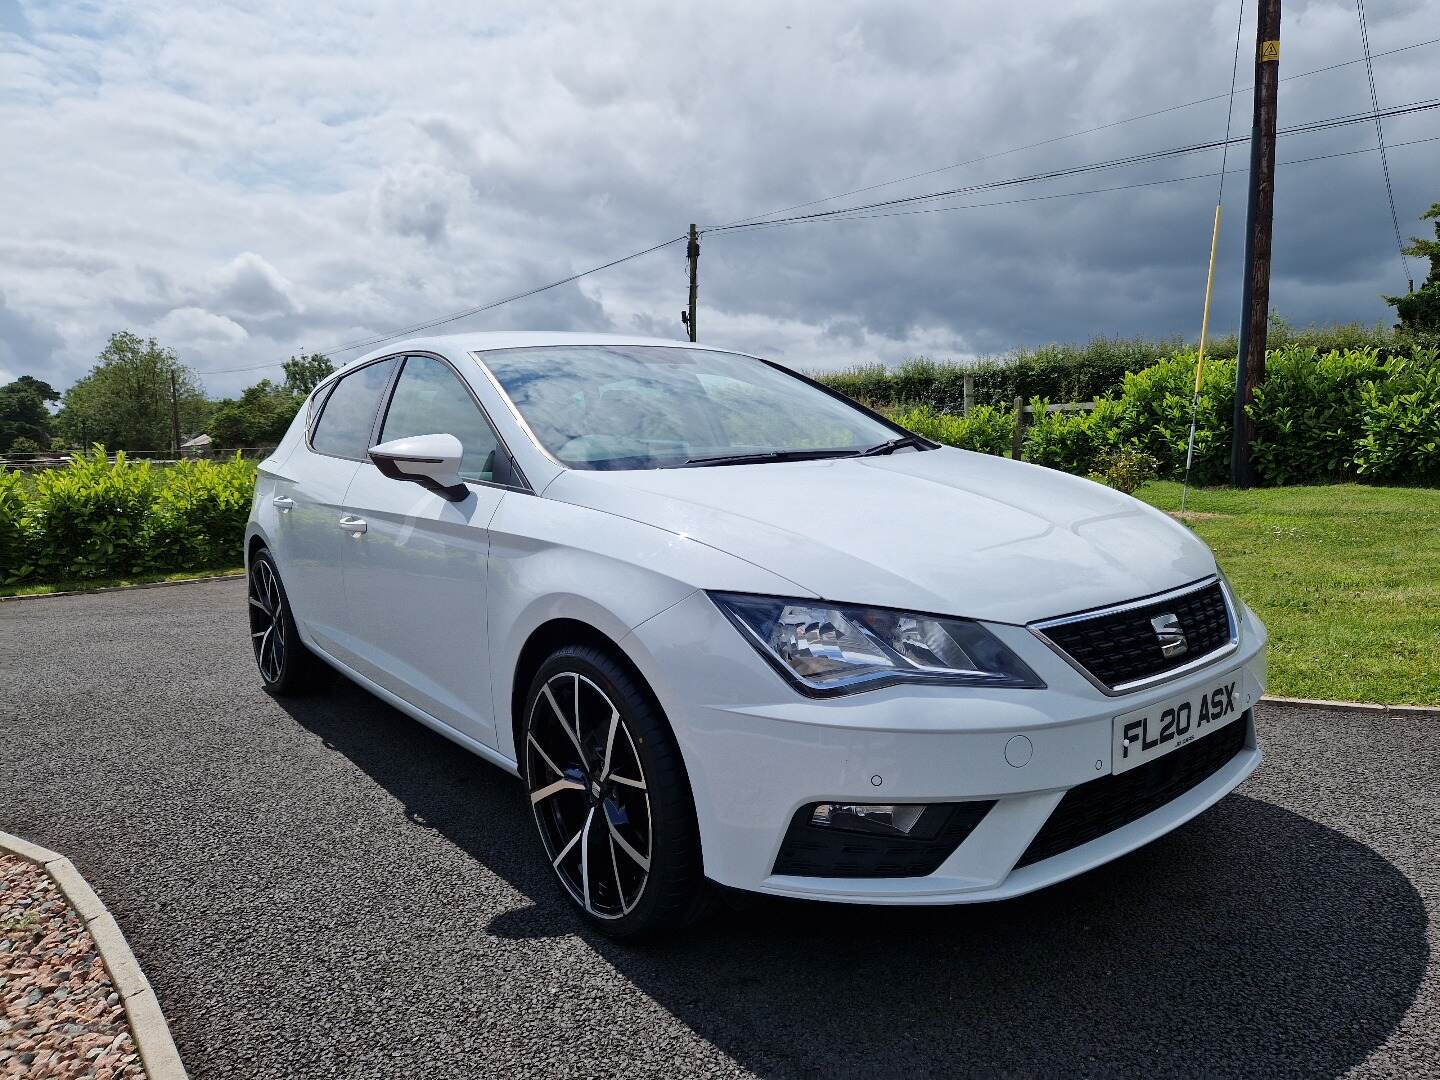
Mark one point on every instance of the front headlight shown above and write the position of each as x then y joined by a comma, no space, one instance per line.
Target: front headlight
829,648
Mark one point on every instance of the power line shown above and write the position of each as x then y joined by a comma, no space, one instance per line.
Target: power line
456,315
855,214
1309,127
1095,191
850,213
1210,267
1070,135
504,300
1380,139
1230,107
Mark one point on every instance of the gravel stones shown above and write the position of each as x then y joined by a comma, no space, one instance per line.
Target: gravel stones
61,1018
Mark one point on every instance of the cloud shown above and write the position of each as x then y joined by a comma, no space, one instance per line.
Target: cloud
192,326
309,175
249,285
12,18
418,201
26,344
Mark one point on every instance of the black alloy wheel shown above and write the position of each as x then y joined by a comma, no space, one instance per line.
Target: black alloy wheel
285,664
610,797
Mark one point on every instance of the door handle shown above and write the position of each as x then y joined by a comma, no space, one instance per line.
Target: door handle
352,525
282,502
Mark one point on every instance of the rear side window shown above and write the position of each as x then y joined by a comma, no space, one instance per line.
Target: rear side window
344,426
430,399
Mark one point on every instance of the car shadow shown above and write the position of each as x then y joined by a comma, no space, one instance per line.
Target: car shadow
1252,941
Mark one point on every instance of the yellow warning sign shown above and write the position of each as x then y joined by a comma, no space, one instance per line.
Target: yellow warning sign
1269,50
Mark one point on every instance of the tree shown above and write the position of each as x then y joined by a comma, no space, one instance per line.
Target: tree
304,372
258,418
1419,311
25,445
124,402
48,393
23,414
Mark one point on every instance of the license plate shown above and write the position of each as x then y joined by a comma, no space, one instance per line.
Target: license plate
1150,733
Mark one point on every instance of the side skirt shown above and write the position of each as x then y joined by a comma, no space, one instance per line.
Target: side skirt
489,753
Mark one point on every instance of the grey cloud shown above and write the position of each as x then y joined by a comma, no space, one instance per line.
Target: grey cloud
585,132
27,345
417,200
251,286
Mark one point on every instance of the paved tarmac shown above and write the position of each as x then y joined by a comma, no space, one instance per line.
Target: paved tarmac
327,889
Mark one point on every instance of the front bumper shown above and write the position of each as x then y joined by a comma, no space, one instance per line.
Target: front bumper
757,751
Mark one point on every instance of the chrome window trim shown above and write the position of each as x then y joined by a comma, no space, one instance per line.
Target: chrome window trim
1214,656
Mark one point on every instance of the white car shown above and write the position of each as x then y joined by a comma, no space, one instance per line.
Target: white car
728,626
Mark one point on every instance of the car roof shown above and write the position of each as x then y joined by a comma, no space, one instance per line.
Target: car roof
515,339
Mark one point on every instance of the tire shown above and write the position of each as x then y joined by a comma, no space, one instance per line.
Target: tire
617,825
286,666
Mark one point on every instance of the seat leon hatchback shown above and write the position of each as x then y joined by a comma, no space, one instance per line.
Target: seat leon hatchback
729,627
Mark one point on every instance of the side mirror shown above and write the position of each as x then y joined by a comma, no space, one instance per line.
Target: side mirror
432,461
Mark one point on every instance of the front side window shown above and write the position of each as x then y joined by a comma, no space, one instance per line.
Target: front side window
349,412
655,407
430,399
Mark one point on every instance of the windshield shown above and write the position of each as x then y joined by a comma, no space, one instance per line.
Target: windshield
656,407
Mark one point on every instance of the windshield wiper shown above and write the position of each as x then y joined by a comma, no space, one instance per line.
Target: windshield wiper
767,456
890,446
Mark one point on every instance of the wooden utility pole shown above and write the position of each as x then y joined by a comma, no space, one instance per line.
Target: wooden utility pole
175,414
692,254
1255,302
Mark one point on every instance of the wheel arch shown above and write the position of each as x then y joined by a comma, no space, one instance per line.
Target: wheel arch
253,543
543,641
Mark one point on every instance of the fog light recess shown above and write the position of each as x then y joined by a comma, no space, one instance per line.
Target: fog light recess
875,840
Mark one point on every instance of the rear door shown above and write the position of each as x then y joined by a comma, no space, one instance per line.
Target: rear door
309,501
416,578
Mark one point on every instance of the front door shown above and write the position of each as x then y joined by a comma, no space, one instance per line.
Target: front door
415,578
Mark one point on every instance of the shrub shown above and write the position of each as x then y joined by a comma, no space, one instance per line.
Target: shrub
1400,417
97,518
1154,416
15,558
1078,372
986,430
25,445
1318,417
1071,441
1307,424
198,518
88,519
1125,469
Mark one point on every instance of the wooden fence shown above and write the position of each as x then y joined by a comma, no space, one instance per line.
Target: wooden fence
58,460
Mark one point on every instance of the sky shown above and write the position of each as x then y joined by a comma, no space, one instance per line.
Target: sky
248,180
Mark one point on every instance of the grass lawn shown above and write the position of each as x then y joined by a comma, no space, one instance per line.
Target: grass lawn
1346,577
107,583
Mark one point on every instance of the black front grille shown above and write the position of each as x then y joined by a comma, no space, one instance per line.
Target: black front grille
817,851
1101,806
1122,646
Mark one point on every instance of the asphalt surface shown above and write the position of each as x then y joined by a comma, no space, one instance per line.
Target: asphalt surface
328,889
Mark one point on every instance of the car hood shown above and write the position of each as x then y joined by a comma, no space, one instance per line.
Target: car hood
944,531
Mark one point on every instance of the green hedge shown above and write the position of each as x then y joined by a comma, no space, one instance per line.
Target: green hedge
1072,372
1319,417
96,518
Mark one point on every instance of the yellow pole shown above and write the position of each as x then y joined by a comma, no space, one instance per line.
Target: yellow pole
1200,359
1205,318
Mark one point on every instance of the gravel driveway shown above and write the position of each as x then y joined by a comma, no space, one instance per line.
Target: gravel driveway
328,889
